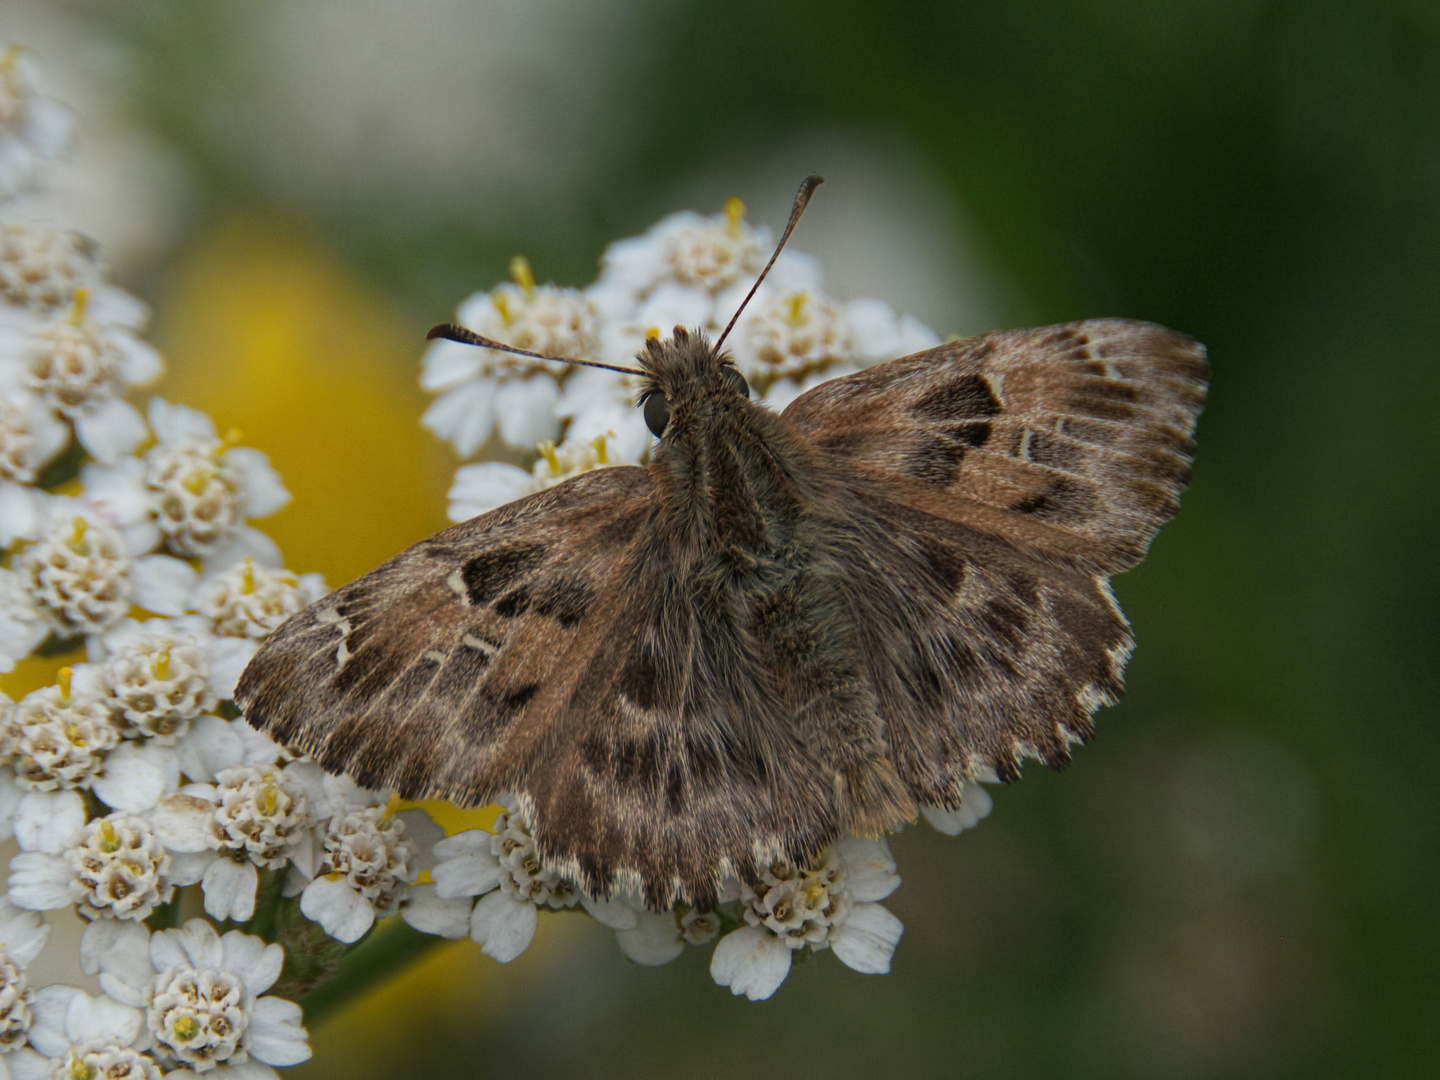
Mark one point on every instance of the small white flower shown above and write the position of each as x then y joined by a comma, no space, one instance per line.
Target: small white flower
157,685
975,804
120,868
250,601
80,367
790,335
481,389
57,736
504,870
31,437
256,816
32,128
201,994
76,1035
368,863
80,574
261,813
202,489
42,267
831,905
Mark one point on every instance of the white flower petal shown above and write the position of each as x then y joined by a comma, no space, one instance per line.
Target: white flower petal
211,746
975,804
47,1030
136,776
502,926
183,823
42,882
188,867
163,584
120,952
19,513
48,820
422,830
866,940
110,430
23,933
466,876
469,842
276,1035
229,889
180,423
10,796
228,657
525,409
750,961
345,914
428,912
266,494
448,364
464,416
614,912
869,868
480,488
256,963
247,542
26,1064
102,1019
140,363
653,940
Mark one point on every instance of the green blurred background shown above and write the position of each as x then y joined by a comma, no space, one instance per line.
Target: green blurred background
1239,877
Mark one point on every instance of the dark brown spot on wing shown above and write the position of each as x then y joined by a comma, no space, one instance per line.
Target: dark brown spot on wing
490,573
565,599
967,395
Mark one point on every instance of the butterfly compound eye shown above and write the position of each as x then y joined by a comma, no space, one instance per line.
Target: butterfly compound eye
657,413
735,381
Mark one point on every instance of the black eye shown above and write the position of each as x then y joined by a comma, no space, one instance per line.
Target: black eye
735,381
657,412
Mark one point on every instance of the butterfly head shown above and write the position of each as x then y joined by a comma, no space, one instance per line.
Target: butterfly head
686,378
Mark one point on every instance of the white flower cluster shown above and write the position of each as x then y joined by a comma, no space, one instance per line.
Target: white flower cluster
689,271
132,778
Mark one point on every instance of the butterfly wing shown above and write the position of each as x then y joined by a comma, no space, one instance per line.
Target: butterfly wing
550,650
1012,472
1072,440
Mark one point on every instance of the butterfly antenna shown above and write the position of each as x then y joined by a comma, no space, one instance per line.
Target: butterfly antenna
802,200
469,337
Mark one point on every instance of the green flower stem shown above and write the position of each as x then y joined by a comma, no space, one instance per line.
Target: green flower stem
378,957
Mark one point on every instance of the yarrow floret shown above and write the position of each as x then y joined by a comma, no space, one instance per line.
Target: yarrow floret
32,128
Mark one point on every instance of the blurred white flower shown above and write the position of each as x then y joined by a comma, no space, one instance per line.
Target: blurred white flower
80,366
31,436
32,128
975,804
482,389
484,486
201,993
831,905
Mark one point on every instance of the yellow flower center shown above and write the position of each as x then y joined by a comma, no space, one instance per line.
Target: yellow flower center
735,212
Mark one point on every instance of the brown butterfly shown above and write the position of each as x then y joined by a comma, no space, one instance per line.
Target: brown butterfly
787,627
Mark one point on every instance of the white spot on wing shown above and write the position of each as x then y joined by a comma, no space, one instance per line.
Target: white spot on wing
456,581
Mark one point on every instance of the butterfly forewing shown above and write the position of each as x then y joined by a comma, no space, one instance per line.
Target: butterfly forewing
1073,441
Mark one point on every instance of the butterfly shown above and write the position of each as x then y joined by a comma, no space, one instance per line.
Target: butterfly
787,627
